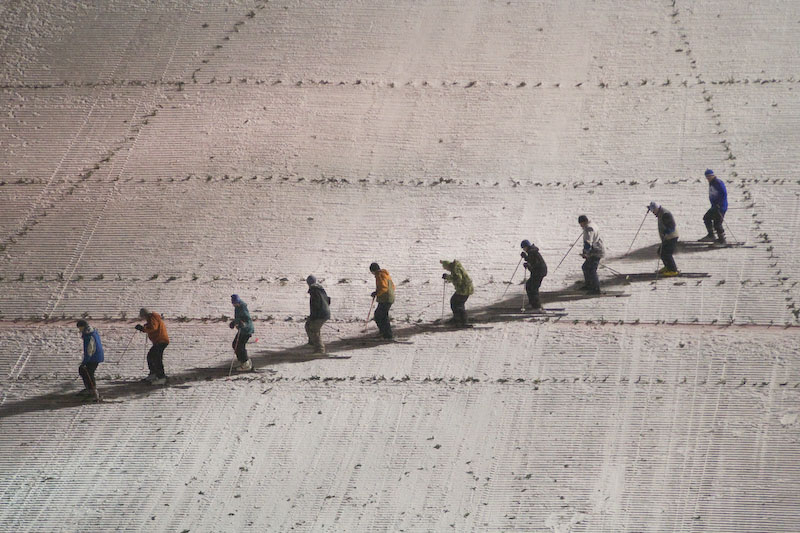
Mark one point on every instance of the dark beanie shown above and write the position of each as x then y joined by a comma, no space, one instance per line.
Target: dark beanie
82,324
583,218
374,267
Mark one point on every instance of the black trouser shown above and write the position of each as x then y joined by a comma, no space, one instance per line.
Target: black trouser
667,249
86,371
382,319
155,359
457,305
240,345
714,217
590,273
532,288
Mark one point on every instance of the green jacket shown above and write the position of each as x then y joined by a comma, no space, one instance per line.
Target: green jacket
242,320
458,277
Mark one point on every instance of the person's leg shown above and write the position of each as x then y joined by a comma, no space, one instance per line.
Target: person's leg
308,331
718,218
594,279
587,273
667,251
158,359
315,335
241,347
381,314
458,305
533,294
151,361
382,319
708,221
88,382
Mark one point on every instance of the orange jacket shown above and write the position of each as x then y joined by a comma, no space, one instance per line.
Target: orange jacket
156,329
384,287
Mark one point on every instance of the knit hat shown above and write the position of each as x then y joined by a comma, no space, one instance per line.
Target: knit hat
653,207
143,313
525,244
311,280
235,299
374,267
82,324
709,172
582,219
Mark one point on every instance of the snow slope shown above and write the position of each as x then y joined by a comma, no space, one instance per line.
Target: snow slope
167,155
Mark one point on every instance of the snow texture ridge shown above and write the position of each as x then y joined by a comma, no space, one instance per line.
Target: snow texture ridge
170,154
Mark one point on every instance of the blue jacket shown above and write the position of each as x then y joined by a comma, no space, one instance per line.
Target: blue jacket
718,194
92,347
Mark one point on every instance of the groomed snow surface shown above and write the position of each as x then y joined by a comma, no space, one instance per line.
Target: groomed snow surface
169,154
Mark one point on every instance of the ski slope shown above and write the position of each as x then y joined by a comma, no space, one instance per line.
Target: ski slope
166,155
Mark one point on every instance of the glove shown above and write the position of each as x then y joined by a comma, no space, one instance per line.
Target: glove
523,255
525,265
139,327
583,254
444,276
373,294
232,324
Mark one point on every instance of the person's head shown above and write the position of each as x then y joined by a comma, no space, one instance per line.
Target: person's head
144,313
583,220
82,325
710,175
311,280
447,265
235,300
525,244
374,268
654,208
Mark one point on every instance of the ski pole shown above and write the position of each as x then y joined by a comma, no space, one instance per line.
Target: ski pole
637,232
512,278
444,288
729,230
524,279
618,273
568,251
366,322
125,351
235,346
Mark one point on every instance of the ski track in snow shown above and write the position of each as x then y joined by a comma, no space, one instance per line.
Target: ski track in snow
169,155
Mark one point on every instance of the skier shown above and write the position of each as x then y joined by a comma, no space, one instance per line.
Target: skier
463,286
244,324
535,264
319,302
384,294
668,232
593,251
157,333
718,196
92,357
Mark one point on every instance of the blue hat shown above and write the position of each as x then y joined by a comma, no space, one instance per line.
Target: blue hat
235,299
653,207
311,280
709,172
525,244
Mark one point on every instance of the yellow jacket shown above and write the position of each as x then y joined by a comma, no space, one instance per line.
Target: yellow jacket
384,287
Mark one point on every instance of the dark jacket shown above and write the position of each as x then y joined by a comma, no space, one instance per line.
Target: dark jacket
535,262
319,302
667,229
92,347
242,320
